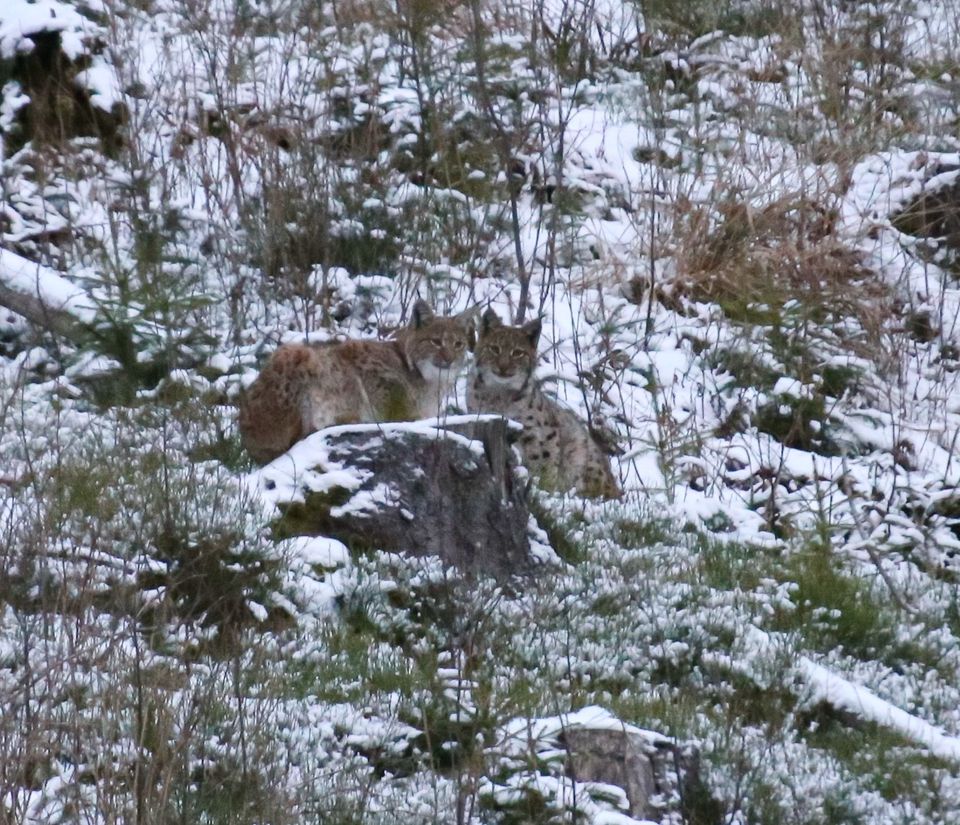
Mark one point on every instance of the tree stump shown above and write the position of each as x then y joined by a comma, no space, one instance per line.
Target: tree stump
452,489
660,777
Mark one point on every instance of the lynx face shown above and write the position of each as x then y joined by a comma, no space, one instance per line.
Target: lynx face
557,447
435,346
506,356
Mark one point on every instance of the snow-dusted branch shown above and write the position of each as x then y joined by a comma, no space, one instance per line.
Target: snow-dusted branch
43,297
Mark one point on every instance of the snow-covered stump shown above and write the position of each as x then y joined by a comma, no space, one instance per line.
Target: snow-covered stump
592,763
658,776
451,489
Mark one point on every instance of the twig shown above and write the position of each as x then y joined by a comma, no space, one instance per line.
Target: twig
846,489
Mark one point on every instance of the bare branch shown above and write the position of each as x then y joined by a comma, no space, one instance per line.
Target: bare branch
43,297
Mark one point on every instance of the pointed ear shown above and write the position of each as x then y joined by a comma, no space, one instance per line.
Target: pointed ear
469,317
468,320
489,321
532,330
422,314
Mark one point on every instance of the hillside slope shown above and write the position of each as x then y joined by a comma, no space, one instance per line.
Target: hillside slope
740,224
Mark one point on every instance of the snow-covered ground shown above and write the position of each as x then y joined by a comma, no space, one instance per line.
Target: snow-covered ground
706,209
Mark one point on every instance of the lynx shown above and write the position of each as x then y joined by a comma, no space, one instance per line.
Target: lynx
557,447
304,388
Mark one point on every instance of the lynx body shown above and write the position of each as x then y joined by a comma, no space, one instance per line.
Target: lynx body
304,388
557,447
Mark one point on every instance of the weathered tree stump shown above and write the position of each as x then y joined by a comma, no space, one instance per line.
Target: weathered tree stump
452,489
661,778
935,211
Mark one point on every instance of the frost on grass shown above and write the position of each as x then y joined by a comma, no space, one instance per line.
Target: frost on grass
732,221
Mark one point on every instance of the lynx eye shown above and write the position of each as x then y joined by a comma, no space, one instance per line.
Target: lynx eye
494,348
437,342
518,353
458,344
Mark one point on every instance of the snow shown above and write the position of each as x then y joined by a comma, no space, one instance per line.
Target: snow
101,81
655,150
53,291
305,468
591,717
840,693
317,550
844,695
21,18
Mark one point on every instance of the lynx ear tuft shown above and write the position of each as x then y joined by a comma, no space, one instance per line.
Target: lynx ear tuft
422,314
468,320
532,330
490,320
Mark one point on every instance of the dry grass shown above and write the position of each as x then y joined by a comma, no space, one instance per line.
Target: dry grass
748,260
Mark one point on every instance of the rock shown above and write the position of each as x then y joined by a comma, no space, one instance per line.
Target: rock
54,80
660,777
935,212
612,770
453,490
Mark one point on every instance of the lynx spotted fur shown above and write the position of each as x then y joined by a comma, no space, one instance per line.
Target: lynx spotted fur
304,388
557,447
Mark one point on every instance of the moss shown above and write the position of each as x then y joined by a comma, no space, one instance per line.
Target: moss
558,531
746,365
834,609
311,517
837,380
801,423
641,532
727,565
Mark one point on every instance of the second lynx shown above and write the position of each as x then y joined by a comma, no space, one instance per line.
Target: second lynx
304,388
557,447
